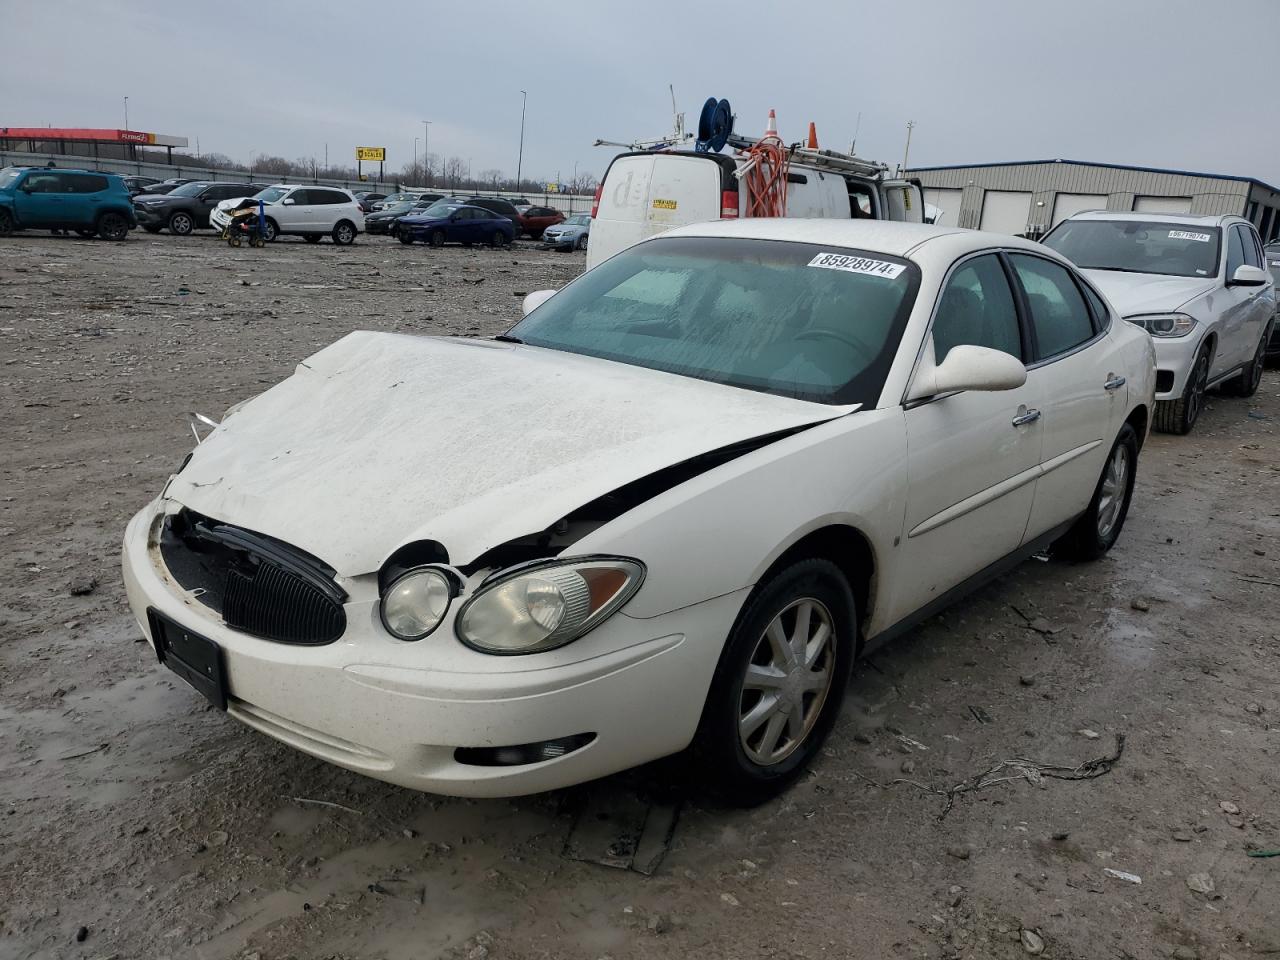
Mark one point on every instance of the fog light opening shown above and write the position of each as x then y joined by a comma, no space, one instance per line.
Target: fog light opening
521,754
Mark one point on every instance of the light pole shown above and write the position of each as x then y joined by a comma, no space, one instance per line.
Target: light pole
126,113
426,152
415,156
524,101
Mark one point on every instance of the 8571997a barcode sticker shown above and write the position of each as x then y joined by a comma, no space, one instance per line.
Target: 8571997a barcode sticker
874,268
1188,235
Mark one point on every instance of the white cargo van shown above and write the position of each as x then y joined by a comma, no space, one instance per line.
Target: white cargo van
647,192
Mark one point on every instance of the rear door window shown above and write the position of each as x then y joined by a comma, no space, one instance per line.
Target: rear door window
1059,317
44,183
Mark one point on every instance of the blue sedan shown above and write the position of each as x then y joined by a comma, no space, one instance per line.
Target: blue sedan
457,223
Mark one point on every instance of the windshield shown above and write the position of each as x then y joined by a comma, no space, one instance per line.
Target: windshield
1138,246
441,208
271,194
580,219
8,175
188,190
792,319
398,207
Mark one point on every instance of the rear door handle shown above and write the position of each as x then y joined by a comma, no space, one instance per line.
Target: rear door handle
1025,417
1114,383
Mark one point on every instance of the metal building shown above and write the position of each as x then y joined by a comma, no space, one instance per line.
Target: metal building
1031,197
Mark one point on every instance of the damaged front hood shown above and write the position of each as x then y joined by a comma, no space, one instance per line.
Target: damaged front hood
383,439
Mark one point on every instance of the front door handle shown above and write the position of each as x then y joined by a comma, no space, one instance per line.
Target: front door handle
1026,416
1113,382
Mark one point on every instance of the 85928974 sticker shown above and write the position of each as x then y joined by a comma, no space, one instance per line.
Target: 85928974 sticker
850,264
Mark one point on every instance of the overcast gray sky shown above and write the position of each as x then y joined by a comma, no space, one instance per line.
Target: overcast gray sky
1174,83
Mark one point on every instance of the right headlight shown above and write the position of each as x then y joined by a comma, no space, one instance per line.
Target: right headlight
1165,324
532,609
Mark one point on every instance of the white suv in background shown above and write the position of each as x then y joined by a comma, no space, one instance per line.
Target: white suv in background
310,212
1198,286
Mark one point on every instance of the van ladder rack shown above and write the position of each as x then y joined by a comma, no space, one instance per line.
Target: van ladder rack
821,159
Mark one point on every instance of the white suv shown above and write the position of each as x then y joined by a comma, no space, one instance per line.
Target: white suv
1198,286
310,212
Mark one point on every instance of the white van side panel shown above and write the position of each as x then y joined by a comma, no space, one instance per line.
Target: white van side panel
823,194
645,195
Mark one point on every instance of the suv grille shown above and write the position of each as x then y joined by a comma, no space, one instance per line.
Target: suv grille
259,585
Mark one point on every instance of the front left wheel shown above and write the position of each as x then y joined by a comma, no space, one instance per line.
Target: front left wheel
112,226
1097,529
778,686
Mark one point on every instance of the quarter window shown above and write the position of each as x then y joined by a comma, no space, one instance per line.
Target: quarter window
977,308
1059,316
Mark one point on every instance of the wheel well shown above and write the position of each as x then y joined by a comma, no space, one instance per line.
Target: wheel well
846,547
1211,343
1138,418
346,221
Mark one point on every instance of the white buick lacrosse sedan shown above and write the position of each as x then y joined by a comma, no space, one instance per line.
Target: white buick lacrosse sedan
665,511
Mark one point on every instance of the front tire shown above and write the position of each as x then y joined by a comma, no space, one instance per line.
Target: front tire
779,684
181,224
437,238
499,240
270,231
580,243
6,223
1246,385
113,226
344,233
1179,416
1097,529
404,236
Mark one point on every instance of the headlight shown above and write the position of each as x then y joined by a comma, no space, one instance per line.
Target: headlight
416,602
1165,325
538,608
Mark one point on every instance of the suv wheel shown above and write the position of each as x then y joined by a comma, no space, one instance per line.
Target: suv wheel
344,233
1246,385
778,687
270,230
6,223
1179,416
112,226
181,224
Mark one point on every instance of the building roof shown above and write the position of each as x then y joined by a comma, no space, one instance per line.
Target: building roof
1109,166
92,135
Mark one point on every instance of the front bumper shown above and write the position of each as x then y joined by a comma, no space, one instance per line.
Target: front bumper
376,227
150,216
1175,358
219,219
558,241
377,706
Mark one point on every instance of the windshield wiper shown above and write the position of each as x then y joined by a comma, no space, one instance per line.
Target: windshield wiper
506,338
1115,269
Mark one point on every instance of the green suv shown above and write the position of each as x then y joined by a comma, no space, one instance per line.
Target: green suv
88,202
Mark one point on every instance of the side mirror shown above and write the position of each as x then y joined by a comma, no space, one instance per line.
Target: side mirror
1247,276
287,201
967,367
536,299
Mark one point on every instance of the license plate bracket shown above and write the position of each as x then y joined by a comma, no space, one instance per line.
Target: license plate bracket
196,659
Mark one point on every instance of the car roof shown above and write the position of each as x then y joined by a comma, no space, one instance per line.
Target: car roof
1191,219
885,236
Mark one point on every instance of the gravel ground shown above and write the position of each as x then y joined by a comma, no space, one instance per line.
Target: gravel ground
137,823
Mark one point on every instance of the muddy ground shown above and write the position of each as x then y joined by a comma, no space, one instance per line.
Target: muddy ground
137,823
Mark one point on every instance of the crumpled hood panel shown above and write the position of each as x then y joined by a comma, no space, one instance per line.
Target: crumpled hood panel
1134,293
382,439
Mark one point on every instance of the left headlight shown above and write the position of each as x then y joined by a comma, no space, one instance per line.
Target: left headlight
538,608
415,603
1165,324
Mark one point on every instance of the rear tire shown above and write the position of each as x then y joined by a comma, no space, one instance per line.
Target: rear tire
181,224
1179,416
1246,385
1098,528
344,233
6,223
112,226
771,705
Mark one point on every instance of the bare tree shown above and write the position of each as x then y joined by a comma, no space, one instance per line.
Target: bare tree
454,171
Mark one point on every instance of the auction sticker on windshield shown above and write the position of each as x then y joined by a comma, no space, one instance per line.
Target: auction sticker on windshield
875,268
1188,235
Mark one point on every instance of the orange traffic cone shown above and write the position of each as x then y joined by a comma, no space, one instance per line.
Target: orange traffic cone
813,135
771,128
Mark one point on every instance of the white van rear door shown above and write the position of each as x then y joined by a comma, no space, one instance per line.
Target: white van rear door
902,201
649,193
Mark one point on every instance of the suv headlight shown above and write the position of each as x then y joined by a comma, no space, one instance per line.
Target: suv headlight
531,609
415,602
1165,324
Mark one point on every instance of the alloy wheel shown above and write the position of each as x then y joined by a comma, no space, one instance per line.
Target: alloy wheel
1196,398
181,224
1115,484
112,226
786,682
